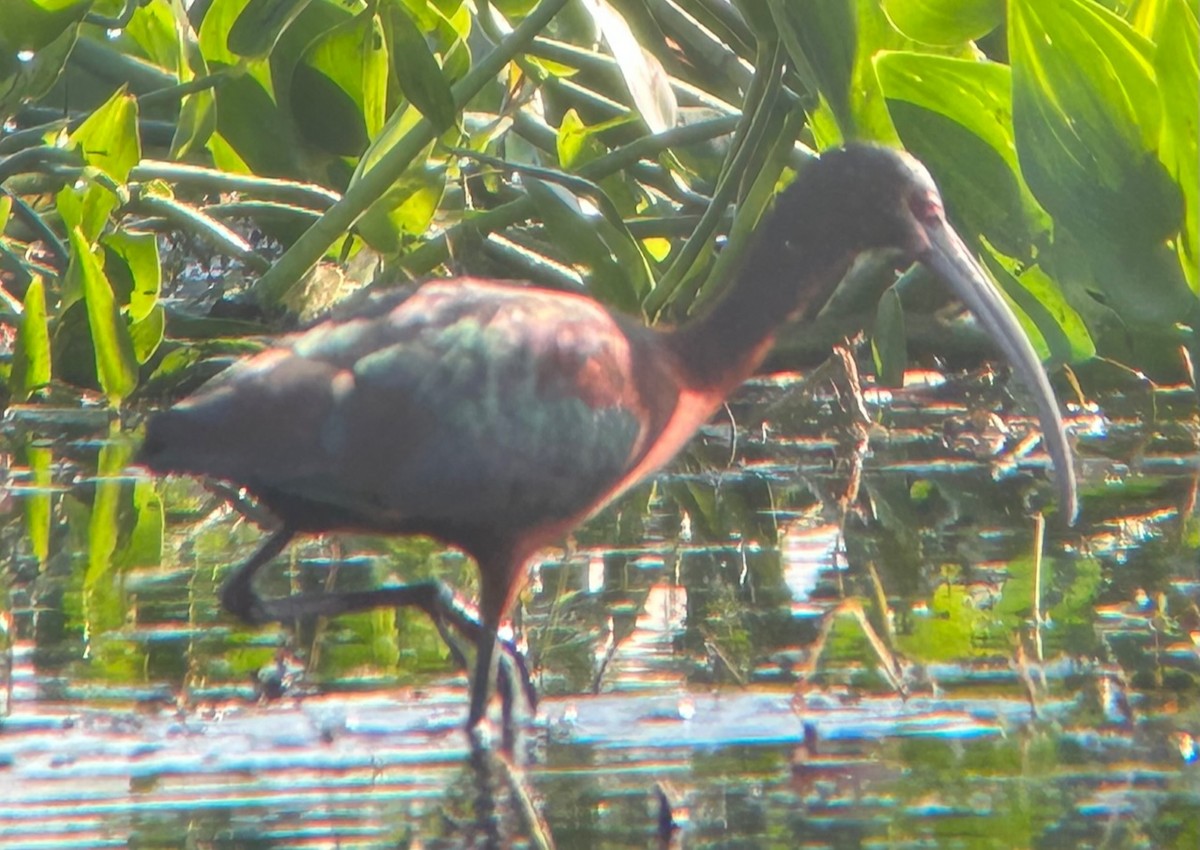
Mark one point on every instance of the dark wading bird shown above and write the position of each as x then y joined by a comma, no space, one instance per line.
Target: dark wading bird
496,417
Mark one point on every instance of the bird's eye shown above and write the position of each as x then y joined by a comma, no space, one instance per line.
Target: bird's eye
926,207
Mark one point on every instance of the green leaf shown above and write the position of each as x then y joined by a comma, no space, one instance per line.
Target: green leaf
116,365
24,78
339,87
87,208
31,25
645,78
37,500
145,542
416,70
133,267
889,347
254,127
1058,332
947,22
108,138
1178,70
821,39
219,20
108,142
104,607
259,24
147,334
31,354
249,119
197,113
578,144
156,29
955,116
406,208
1086,116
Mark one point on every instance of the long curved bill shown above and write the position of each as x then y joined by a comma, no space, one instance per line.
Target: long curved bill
950,259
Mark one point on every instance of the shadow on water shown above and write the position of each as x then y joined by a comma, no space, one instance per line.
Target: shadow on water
720,665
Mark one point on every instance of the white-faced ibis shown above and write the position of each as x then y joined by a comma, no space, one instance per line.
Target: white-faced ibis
495,417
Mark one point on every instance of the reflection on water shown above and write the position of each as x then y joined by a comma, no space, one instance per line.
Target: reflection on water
926,678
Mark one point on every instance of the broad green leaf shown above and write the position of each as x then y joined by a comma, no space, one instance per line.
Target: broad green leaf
219,20
24,78
31,368
1178,69
153,28
644,76
417,72
578,144
144,545
448,32
405,209
146,334
399,124
108,142
955,116
116,365
108,138
37,500
133,268
87,207
248,116
225,157
31,25
888,344
339,88
251,123
103,606
197,113
975,94
945,21
258,26
1086,116
821,39
197,121
1058,332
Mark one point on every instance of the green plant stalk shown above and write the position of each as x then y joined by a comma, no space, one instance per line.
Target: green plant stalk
34,221
200,225
212,180
179,91
585,60
106,63
270,210
314,242
751,208
437,250
761,97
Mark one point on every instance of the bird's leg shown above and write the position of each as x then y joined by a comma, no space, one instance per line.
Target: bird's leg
238,595
481,681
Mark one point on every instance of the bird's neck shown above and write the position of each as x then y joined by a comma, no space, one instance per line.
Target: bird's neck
779,280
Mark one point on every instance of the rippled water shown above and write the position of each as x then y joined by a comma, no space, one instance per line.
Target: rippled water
721,666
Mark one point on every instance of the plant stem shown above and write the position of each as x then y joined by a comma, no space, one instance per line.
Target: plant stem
315,241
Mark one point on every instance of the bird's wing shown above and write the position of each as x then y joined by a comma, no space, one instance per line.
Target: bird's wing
465,400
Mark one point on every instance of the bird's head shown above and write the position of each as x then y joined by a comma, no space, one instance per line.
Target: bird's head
862,198
867,198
